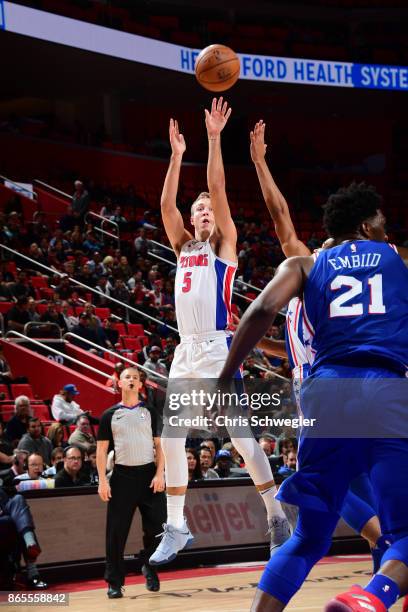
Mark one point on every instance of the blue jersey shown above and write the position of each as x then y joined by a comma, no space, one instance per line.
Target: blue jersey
355,305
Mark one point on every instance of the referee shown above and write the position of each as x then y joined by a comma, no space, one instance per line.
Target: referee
130,429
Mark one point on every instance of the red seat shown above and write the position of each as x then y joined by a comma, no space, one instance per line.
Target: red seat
38,282
5,306
110,357
102,313
22,390
135,329
143,340
4,389
131,343
41,411
6,411
121,328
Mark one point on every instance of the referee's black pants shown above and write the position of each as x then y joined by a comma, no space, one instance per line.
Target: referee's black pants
130,489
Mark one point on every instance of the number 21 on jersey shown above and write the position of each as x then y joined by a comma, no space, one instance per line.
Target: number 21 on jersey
376,304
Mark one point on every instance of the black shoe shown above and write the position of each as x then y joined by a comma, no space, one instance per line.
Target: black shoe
152,579
37,584
114,592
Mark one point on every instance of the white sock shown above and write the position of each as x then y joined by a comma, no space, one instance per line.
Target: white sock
175,510
273,507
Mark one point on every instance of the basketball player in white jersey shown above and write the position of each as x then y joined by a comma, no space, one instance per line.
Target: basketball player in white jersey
206,264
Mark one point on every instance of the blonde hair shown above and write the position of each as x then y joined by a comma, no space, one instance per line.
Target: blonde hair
201,196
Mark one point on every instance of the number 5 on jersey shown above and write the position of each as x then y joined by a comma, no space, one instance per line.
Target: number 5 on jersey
376,305
186,282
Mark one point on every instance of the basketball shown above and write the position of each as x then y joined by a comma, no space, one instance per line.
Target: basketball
217,68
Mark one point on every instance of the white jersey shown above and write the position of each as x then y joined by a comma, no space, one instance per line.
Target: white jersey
203,290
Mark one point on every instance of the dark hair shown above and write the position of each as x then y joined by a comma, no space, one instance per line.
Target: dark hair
284,441
55,451
91,449
197,473
33,419
81,416
349,207
76,448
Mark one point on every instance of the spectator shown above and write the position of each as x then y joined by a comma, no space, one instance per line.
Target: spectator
5,291
69,320
112,334
210,443
141,244
6,449
120,291
80,200
71,475
64,290
6,376
223,463
34,442
64,408
167,359
104,288
86,276
32,311
289,464
51,315
156,295
68,221
90,465
91,246
154,365
17,509
123,270
113,381
193,464
17,316
267,442
117,217
55,434
34,468
57,456
206,462
17,425
238,461
81,436
95,263
84,330
22,287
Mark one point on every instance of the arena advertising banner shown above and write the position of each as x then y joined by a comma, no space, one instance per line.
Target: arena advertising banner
89,37
219,517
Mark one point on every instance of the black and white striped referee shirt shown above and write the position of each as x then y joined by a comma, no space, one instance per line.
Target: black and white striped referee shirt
130,432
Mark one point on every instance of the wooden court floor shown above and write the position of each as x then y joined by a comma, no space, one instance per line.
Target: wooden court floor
224,588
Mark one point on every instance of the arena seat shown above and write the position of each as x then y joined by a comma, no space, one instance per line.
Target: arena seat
102,313
121,328
38,282
135,329
42,412
22,389
129,342
5,306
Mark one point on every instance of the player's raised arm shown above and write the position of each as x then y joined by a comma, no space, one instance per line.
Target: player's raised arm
172,219
276,203
215,122
287,283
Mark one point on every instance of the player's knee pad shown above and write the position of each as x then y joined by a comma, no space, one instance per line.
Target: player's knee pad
255,459
176,471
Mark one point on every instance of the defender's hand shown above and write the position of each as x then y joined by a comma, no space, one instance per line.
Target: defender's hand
258,146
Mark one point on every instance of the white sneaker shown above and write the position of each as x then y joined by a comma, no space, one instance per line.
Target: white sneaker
172,542
279,530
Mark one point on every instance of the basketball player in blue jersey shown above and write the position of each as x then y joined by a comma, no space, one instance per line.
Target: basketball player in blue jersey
360,508
206,265
355,298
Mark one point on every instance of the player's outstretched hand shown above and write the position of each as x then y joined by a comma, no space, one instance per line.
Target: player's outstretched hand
104,491
216,120
258,146
177,142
